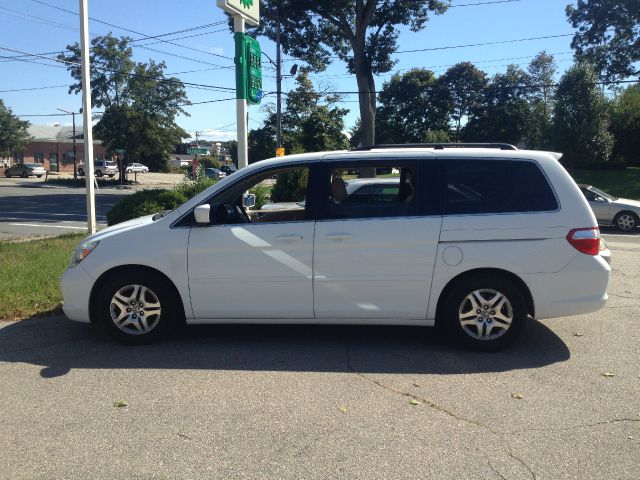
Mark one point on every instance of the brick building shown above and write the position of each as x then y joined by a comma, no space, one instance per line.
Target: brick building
52,146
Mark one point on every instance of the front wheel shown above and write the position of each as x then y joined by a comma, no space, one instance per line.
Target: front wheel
626,221
98,173
24,175
486,312
7,174
80,172
138,307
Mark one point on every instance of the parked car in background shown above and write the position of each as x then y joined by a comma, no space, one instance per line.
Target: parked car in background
228,169
100,168
136,168
623,213
476,240
211,172
25,170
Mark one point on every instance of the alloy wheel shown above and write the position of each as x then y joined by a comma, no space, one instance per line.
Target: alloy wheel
485,314
626,222
135,309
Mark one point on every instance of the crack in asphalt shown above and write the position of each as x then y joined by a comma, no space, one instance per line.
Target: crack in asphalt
573,427
496,471
513,455
418,398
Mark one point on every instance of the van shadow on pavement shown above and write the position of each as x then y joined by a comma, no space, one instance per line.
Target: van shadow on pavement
59,345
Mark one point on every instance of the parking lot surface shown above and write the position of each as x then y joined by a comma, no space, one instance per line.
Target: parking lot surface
328,402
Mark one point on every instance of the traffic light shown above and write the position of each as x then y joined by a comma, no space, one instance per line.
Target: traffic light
248,68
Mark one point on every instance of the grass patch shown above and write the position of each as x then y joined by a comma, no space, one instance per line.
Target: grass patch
621,183
30,273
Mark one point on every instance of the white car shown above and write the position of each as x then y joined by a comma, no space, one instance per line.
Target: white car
623,213
100,168
475,240
136,168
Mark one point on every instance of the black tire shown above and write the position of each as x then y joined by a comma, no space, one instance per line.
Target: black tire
39,176
80,172
98,173
626,221
487,287
24,175
159,326
7,174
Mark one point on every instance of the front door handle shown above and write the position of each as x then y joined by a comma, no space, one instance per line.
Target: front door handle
289,238
338,237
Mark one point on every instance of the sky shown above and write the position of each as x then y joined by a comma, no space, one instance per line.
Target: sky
39,87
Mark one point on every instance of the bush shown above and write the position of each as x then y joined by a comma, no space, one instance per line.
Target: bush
290,186
262,193
146,202
191,188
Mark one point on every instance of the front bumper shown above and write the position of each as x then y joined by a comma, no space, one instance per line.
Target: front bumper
76,285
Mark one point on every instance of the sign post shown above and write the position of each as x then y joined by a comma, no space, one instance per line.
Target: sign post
248,67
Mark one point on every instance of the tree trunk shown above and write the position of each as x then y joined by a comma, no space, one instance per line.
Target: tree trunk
367,102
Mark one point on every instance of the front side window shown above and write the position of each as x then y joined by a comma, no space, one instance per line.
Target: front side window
496,186
281,196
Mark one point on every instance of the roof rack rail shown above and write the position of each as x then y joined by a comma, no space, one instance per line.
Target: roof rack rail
439,146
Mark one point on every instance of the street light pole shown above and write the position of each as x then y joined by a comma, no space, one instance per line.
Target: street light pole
75,166
279,86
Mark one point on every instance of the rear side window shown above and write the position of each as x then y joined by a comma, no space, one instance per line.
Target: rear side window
496,186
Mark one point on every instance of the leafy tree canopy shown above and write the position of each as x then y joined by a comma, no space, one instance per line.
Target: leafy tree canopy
140,103
608,35
625,124
580,118
361,33
14,136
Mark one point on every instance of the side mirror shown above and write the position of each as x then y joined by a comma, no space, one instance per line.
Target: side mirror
248,200
202,214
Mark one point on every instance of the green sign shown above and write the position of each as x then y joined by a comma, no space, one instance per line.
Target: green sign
248,68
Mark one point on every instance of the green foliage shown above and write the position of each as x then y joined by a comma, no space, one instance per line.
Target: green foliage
580,118
191,188
310,123
464,85
209,161
607,35
621,183
410,105
145,202
503,114
14,136
625,125
291,186
363,35
262,193
140,103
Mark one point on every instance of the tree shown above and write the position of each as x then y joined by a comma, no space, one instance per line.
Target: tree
625,125
541,74
580,118
311,122
140,103
608,35
410,105
360,33
465,85
503,114
14,136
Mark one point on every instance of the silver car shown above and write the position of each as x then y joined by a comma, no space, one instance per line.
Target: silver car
623,213
25,170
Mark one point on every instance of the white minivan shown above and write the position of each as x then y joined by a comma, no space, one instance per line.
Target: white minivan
471,238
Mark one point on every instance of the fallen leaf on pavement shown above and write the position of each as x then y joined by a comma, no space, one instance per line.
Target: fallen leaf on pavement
608,374
413,401
343,409
120,404
578,334
517,396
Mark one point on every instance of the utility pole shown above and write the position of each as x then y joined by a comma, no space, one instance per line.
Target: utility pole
241,103
75,164
86,115
279,86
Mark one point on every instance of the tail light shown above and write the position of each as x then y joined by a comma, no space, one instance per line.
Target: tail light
585,240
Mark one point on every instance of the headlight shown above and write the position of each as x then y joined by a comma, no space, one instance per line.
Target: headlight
82,251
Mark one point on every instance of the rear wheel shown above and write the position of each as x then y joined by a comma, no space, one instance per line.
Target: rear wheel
7,174
138,307
98,173
626,221
485,312
80,172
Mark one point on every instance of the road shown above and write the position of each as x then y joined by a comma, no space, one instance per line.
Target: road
292,402
33,210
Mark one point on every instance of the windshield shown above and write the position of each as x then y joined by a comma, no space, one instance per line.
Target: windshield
31,165
602,194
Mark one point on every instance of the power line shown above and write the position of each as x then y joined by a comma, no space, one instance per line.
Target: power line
500,42
483,3
33,88
146,37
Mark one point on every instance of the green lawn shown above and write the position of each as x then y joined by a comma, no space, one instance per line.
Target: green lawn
622,183
30,273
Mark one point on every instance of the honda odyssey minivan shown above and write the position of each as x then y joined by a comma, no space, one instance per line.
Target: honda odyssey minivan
471,238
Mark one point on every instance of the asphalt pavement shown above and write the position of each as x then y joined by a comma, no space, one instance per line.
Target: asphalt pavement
314,402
